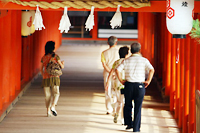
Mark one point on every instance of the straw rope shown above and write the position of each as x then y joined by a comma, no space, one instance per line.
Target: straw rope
79,4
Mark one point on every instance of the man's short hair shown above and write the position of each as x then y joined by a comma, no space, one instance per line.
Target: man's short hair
123,51
112,40
135,47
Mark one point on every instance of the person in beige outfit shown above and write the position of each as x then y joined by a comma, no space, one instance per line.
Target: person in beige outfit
108,57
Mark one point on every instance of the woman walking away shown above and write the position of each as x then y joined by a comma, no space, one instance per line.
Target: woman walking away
50,83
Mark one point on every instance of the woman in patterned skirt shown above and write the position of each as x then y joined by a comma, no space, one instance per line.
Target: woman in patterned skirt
50,83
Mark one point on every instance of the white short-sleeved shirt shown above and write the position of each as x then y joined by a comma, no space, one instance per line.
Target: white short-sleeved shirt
109,56
135,67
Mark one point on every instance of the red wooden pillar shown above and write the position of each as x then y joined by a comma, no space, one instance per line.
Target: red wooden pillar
1,65
13,53
177,94
6,38
95,28
192,86
169,62
18,51
31,57
141,29
153,40
182,81
164,35
173,74
186,87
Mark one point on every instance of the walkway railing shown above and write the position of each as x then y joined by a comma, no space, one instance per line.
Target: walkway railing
198,110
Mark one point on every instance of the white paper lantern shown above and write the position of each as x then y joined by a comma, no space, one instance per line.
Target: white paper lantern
33,17
179,17
26,23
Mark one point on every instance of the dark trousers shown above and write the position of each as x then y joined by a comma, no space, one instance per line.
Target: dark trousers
136,92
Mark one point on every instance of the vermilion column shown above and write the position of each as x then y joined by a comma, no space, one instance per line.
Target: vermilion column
164,43
192,114
169,62
141,29
95,28
18,51
1,65
173,74
177,94
6,50
13,53
182,81
186,87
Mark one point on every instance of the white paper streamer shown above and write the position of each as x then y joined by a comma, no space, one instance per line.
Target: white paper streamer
90,20
116,21
38,21
65,24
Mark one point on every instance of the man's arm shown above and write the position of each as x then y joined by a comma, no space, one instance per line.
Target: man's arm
120,77
103,61
109,79
150,76
106,67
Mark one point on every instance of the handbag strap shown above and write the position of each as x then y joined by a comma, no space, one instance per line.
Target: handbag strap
51,59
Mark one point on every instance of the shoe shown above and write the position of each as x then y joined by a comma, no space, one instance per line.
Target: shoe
129,127
115,118
49,114
53,111
122,121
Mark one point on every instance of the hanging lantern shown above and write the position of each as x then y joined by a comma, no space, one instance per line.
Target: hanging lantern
26,23
179,17
33,17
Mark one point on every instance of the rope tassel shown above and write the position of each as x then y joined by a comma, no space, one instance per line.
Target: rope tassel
38,21
90,20
65,24
116,21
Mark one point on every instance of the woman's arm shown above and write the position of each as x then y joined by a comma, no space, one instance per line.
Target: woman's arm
61,63
120,77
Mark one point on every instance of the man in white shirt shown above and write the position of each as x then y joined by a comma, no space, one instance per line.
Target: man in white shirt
135,84
108,57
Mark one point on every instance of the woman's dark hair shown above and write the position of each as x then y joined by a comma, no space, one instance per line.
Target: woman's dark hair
49,48
123,51
135,47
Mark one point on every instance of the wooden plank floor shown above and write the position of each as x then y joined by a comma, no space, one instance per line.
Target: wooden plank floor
81,107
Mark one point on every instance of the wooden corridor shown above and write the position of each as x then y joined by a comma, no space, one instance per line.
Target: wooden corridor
81,107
